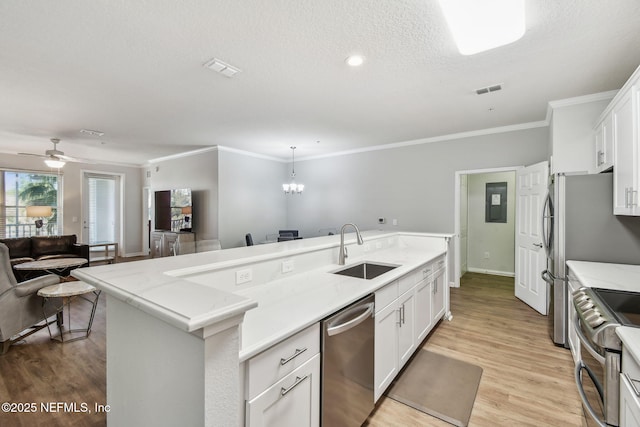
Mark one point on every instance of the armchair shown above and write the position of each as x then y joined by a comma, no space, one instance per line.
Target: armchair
21,310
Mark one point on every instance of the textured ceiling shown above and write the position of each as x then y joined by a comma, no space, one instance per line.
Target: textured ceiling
133,69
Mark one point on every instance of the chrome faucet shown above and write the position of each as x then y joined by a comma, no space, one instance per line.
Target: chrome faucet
343,251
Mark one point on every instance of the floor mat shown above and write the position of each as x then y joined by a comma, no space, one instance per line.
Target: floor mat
439,386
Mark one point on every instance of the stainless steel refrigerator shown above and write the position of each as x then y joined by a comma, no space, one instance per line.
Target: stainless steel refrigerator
579,224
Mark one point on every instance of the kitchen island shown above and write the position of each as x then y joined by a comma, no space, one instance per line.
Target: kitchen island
179,329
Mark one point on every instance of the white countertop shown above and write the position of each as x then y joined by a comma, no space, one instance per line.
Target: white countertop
168,289
622,277
290,305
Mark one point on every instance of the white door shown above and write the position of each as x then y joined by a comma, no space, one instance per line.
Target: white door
101,210
531,188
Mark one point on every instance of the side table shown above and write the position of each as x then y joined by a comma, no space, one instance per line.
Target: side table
70,291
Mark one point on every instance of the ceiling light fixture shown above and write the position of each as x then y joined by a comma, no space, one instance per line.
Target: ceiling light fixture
54,163
482,25
355,60
222,67
292,187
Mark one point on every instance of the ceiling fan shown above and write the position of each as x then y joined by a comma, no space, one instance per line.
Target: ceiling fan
54,158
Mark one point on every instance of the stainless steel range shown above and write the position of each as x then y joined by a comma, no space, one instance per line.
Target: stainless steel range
599,313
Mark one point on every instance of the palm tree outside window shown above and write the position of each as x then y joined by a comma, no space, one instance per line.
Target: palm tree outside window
22,189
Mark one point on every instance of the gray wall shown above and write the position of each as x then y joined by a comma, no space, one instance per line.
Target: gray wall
251,199
498,239
72,188
413,184
199,172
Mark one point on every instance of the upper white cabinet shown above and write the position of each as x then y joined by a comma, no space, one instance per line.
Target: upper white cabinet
625,182
604,145
571,132
616,145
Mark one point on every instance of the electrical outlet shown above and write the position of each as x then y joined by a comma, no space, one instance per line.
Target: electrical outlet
287,266
367,247
243,276
395,221
486,255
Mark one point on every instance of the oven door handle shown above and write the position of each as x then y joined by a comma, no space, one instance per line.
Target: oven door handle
579,367
586,342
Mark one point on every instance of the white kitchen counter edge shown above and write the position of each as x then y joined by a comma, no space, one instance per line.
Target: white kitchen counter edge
624,277
295,324
151,285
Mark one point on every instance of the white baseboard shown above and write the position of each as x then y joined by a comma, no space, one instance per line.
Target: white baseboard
494,272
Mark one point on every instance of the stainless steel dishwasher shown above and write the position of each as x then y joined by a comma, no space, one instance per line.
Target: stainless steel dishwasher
347,365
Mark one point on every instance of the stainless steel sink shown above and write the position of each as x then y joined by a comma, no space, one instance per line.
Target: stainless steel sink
366,270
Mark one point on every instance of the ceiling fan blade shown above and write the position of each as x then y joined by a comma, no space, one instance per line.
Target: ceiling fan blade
34,155
73,159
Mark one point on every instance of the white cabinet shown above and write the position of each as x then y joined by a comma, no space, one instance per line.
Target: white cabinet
629,402
282,384
604,145
405,313
423,317
629,391
168,243
406,327
617,137
625,185
439,292
386,357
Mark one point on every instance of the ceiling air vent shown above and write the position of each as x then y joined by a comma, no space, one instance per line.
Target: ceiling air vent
493,88
221,67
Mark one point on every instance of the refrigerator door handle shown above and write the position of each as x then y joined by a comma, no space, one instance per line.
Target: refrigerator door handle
547,229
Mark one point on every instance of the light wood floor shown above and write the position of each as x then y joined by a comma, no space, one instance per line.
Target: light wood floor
527,381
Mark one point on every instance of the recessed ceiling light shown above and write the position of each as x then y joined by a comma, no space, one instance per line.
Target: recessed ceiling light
477,26
355,60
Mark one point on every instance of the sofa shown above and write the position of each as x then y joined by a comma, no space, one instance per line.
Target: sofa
36,248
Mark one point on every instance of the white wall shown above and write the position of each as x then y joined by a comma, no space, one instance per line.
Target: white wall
498,239
72,189
413,184
251,199
199,172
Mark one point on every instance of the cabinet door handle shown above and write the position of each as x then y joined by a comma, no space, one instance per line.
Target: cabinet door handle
285,390
400,317
298,352
633,196
403,322
600,157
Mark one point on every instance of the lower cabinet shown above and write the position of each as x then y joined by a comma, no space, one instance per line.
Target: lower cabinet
629,403
572,336
439,290
403,321
629,391
282,384
294,401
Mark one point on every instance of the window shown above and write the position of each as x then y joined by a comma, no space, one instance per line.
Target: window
21,189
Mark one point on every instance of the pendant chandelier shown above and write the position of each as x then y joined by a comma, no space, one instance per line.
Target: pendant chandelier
292,187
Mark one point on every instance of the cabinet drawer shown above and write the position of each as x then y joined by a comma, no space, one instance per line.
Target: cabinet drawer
292,401
386,295
408,281
629,403
280,360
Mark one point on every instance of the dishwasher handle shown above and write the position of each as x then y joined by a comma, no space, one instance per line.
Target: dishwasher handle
333,329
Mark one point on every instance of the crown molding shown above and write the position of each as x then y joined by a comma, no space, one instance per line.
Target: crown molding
585,99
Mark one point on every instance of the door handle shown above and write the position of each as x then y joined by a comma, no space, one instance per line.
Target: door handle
538,245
